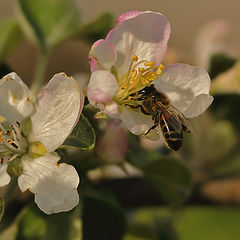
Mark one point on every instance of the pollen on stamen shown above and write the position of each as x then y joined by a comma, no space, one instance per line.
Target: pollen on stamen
160,69
9,133
12,143
134,58
149,64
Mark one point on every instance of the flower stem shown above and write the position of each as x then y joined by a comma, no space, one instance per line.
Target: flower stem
39,72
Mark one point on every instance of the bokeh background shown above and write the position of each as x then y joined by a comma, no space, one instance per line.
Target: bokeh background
210,209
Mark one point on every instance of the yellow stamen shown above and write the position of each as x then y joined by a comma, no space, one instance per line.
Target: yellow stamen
149,64
160,69
134,58
139,75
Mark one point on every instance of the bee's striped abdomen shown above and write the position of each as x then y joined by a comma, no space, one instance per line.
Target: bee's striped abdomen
172,138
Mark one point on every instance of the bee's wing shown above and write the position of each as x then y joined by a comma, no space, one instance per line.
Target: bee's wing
174,120
185,123
171,117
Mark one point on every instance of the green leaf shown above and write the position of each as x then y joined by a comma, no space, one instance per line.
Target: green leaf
31,224
102,219
82,137
2,206
171,178
96,29
152,223
209,223
220,63
10,36
47,22
35,225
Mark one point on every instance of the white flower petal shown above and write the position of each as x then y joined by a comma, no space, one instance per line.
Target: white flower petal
145,35
138,123
15,98
102,87
54,185
105,53
60,105
198,106
4,176
182,83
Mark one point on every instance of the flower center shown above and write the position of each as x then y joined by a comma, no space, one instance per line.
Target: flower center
12,143
139,75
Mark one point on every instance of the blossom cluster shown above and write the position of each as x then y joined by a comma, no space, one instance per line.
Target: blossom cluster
128,60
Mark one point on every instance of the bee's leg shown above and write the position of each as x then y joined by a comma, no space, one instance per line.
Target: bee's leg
138,106
156,120
150,129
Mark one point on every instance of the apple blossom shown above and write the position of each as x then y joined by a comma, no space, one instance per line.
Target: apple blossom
129,59
37,128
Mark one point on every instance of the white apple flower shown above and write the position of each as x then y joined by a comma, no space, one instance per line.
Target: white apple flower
129,59
37,129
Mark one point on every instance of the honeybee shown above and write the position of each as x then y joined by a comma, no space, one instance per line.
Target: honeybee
171,121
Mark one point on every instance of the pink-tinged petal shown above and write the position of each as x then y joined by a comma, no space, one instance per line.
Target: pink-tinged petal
111,110
102,87
93,64
113,144
54,185
145,35
105,54
182,83
139,123
198,105
16,100
60,104
127,15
